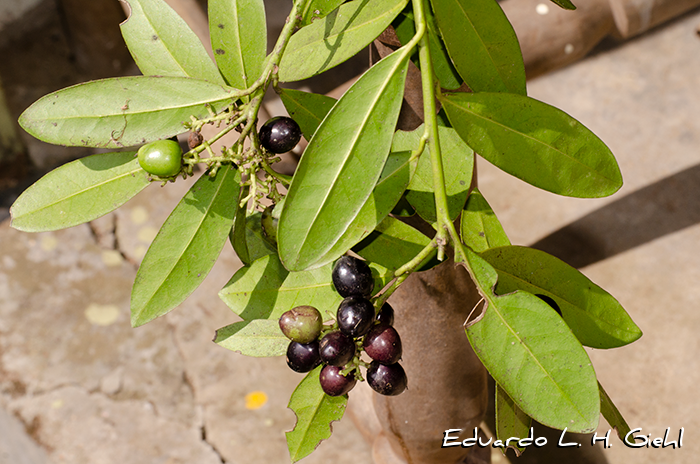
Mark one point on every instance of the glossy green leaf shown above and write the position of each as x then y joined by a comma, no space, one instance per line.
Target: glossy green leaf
306,108
78,192
337,37
532,354
386,194
162,44
122,111
315,411
186,247
480,228
316,9
613,415
341,166
482,44
258,338
265,289
239,232
511,421
458,165
392,244
535,142
239,39
566,4
594,316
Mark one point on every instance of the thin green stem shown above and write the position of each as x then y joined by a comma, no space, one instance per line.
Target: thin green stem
404,271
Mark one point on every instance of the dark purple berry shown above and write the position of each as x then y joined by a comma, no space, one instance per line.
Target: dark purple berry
383,344
301,324
303,357
550,302
355,316
279,134
336,348
386,315
385,379
334,383
352,276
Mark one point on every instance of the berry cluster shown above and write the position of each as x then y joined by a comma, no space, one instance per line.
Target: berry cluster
356,329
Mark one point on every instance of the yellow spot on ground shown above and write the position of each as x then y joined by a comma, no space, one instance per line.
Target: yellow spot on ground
140,251
102,315
542,9
112,258
48,242
139,215
57,404
255,400
147,234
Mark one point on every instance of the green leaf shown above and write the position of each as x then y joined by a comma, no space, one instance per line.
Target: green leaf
306,108
265,289
337,37
392,244
316,9
122,111
341,166
238,234
482,45
458,165
315,411
480,228
533,356
594,316
258,338
511,421
78,192
535,142
566,4
162,44
186,247
239,39
613,416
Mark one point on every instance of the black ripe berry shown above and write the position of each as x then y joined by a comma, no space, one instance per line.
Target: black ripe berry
385,379
279,134
355,316
303,357
352,276
301,324
336,348
383,344
386,314
550,302
334,383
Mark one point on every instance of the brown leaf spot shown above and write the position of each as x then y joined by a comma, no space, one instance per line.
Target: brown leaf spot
219,51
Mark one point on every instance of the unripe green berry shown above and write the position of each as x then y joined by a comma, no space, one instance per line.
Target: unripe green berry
301,324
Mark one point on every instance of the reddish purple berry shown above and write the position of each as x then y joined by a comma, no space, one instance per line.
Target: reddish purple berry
334,383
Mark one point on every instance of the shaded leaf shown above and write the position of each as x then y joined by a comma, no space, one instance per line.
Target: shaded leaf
238,234
480,228
566,4
306,108
239,39
392,244
265,289
122,111
258,338
594,316
482,44
341,166
613,416
316,9
511,421
78,192
533,356
162,44
315,411
458,164
535,142
186,247
337,37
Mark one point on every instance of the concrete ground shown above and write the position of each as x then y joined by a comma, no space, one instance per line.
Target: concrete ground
79,385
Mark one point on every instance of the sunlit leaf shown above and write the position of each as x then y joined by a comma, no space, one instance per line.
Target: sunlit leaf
122,111
306,108
480,228
186,247
392,244
511,421
613,416
258,338
78,192
316,9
